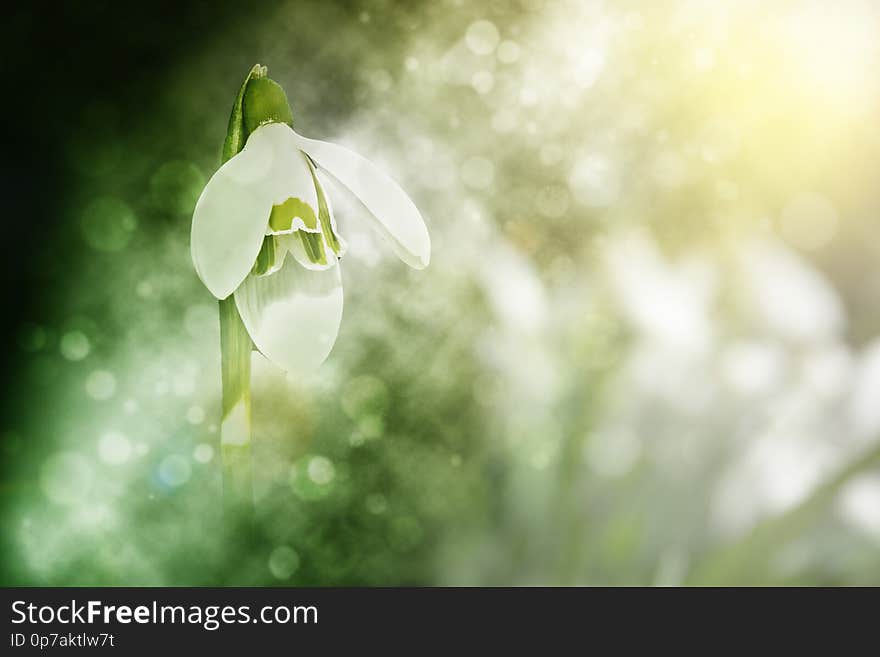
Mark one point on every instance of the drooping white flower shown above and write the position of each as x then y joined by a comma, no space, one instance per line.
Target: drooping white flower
267,203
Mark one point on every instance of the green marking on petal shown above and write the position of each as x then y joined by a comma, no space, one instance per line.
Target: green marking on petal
270,258
313,244
282,218
327,227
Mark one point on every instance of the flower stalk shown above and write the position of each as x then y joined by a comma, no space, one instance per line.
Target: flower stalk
236,435
235,427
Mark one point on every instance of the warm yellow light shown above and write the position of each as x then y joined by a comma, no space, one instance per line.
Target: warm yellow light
832,53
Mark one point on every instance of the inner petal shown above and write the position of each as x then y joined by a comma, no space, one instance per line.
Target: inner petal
307,230
313,245
270,257
292,215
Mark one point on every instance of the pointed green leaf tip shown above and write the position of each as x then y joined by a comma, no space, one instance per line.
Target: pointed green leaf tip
259,101
235,133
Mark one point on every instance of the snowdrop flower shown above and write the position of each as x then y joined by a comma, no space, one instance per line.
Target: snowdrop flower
263,229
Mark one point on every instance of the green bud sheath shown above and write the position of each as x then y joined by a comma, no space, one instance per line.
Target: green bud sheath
259,101
235,133
265,102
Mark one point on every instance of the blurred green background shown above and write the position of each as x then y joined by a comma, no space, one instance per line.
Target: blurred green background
645,352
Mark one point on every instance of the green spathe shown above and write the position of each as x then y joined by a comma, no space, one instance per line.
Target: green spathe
260,100
235,132
265,102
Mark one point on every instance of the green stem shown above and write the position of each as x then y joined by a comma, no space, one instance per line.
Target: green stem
235,426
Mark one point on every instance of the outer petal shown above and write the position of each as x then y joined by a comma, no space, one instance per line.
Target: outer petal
231,215
397,217
293,315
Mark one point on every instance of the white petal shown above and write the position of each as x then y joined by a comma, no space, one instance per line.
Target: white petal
397,217
293,315
231,215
